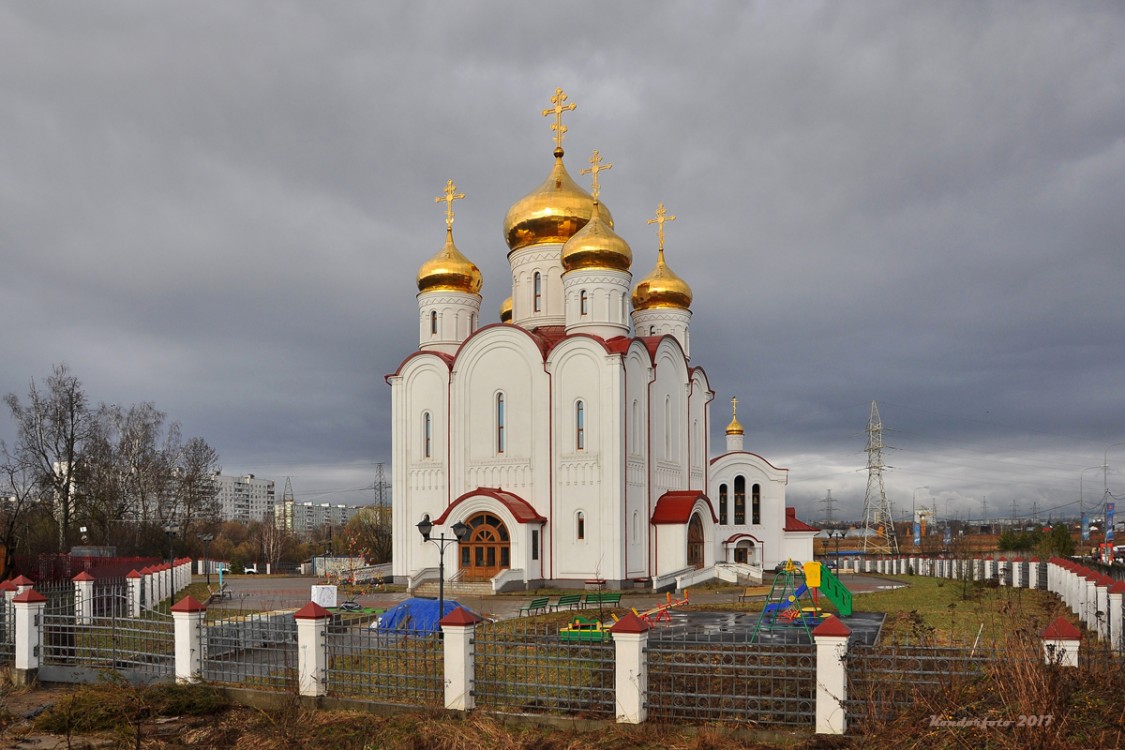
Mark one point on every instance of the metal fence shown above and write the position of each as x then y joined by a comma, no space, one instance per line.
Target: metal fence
256,650
729,680
526,667
402,667
7,631
142,647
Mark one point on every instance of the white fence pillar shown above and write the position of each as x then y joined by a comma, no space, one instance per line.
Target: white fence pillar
1060,643
28,608
83,599
831,637
1101,606
187,617
1091,601
7,591
134,581
1116,615
630,642
312,654
1033,573
459,663
22,584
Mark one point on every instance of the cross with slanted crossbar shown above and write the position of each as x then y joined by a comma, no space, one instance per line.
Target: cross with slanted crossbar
450,195
595,167
557,111
661,217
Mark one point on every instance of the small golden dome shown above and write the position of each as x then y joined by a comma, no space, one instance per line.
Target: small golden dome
449,270
735,427
597,246
506,311
661,288
552,212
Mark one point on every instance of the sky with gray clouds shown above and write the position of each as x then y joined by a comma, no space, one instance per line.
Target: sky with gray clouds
221,207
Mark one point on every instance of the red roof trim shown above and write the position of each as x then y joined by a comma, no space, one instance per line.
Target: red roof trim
519,508
676,507
735,538
792,523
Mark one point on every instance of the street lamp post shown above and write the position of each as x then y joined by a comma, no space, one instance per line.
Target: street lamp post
171,540
460,532
837,535
206,539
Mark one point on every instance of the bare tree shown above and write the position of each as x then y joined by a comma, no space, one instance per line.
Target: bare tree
196,495
370,530
19,489
52,430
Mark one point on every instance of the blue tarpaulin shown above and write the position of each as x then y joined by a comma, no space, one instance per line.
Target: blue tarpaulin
415,614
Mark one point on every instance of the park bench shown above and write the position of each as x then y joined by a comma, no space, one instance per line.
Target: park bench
604,598
542,604
753,592
570,601
222,592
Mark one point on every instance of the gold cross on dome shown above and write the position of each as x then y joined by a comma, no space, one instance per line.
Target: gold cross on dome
450,195
557,111
661,217
595,167
734,405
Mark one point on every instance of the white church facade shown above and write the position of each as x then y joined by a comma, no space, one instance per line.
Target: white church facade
572,436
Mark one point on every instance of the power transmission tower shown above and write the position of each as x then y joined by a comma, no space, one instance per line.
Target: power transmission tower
878,521
380,486
828,502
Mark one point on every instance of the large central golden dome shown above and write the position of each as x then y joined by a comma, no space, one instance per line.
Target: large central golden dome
552,212
449,270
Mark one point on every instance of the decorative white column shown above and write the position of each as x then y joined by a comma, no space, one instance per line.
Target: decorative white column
187,616
630,640
312,656
83,599
134,581
28,607
1033,573
1101,604
1116,615
831,637
1091,601
459,663
1060,643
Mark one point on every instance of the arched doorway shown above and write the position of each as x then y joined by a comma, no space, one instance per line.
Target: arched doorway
487,549
695,542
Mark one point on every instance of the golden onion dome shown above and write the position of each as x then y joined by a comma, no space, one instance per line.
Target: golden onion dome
596,246
552,212
735,427
506,311
449,270
661,288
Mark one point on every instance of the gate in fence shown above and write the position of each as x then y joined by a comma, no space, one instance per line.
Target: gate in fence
397,667
256,650
77,646
729,680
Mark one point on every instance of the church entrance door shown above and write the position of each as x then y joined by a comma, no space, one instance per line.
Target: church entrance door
487,550
695,542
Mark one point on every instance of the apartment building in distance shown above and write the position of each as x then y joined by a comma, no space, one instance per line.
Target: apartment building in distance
244,498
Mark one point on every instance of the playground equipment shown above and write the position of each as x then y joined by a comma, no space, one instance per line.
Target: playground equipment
795,583
584,629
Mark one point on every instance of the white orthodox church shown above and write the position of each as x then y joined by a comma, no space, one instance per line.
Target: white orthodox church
571,437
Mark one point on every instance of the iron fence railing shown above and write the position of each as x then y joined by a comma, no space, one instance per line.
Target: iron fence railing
402,667
109,639
7,631
256,650
530,668
730,680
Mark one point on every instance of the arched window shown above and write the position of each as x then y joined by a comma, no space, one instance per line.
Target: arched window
652,330
500,423
433,322
635,438
580,525
739,501
722,505
580,426
427,435
583,303
538,291
756,504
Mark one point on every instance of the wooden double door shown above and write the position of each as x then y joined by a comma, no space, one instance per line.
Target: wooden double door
487,550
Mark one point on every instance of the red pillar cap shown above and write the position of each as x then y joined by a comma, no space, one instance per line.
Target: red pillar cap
460,616
31,596
1117,588
1061,630
188,604
630,623
82,577
311,611
7,586
832,627
23,581
134,574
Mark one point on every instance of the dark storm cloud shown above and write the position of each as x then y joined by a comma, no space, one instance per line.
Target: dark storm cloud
221,208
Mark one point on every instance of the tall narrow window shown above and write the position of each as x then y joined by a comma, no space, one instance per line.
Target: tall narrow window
433,322
535,544
500,423
739,501
580,525
580,426
538,291
427,435
636,436
583,303
722,505
756,504
667,428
